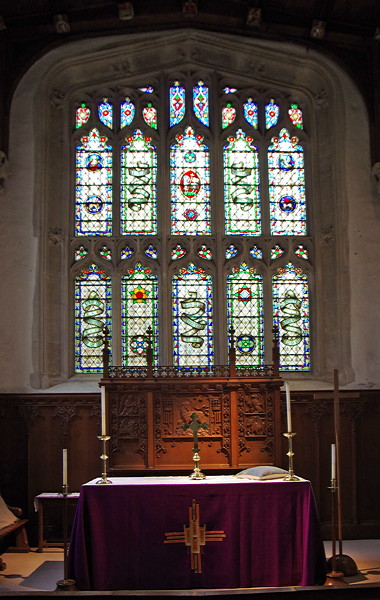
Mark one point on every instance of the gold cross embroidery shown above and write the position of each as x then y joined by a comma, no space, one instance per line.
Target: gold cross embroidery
194,536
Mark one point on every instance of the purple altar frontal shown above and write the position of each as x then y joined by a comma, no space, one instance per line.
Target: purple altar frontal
177,533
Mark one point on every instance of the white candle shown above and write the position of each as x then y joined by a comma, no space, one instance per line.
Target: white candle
288,410
64,464
333,462
103,409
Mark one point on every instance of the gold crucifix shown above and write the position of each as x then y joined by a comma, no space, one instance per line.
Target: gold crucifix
195,425
194,536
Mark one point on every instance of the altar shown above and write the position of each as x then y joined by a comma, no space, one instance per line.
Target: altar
176,533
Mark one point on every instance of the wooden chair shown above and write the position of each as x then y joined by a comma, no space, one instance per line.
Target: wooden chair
20,537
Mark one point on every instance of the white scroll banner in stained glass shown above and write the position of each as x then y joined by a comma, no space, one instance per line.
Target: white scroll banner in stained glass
245,313
192,318
241,186
291,315
138,181
286,186
139,311
93,193
92,313
190,185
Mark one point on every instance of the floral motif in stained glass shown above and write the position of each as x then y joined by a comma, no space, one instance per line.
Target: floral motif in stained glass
178,252
150,115
126,252
286,186
245,314
190,185
93,300
272,111
295,115
200,103
302,252
276,252
105,112
151,251
138,205
231,251
291,315
251,113
82,115
228,115
139,310
105,253
205,252
127,112
177,103
241,186
193,343
256,252
80,253
93,195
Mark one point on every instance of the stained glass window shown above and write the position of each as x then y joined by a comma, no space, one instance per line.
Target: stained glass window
178,252
138,206
150,115
251,113
291,315
231,251
177,103
241,186
256,252
93,194
82,115
139,312
205,252
228,115
245,314
105,112
127,112
295,115
93,301
200,103
190,185
193,343
286,186
272,111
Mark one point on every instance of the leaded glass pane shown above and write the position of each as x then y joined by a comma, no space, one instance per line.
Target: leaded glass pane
105,253
151,251
241,186
205,252
80,253
190,185
286,186
231,251
251,113
105,112
272,111
295,115
256,252
139,309
178,252
245,314
291,316
127,112
82,115
228,115
193,343
93,299
200,103
150,115
138,205
302,252
177,103
276,252
93,194
126,253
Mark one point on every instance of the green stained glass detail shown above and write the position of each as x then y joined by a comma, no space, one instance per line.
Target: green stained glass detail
286,186
93,192
302,252
200,103
105,253
82,115
245,314
290,293
139,310
205,252
138,180
256,252
241,186
190,185
126,252
272,111
177,103
295,115
150,115
231,251
80,253
228,115
193,343
105,112
178,252
151,251
93,300
276,252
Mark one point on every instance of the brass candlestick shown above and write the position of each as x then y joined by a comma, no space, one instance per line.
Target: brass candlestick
197,473
104,439
290,477
65,583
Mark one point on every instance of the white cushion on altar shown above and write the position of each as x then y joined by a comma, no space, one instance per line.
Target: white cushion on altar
6,516
262,472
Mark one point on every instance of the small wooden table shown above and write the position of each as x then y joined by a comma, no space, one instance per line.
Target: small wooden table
44,500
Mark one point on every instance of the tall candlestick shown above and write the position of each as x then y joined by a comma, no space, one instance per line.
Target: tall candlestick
288,410
333,462
64,464
103,410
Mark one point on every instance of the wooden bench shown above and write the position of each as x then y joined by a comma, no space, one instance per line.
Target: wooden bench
21,543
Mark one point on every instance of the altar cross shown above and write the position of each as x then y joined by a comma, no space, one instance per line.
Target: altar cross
194,536
195,425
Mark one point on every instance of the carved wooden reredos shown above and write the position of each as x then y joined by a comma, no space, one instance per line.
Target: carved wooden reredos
148,406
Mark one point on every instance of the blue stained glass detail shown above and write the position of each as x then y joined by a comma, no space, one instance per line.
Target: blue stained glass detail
105,112
231,251
272,111
256,252
151,251
126,252
251,113
177,103
200,103
127,113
